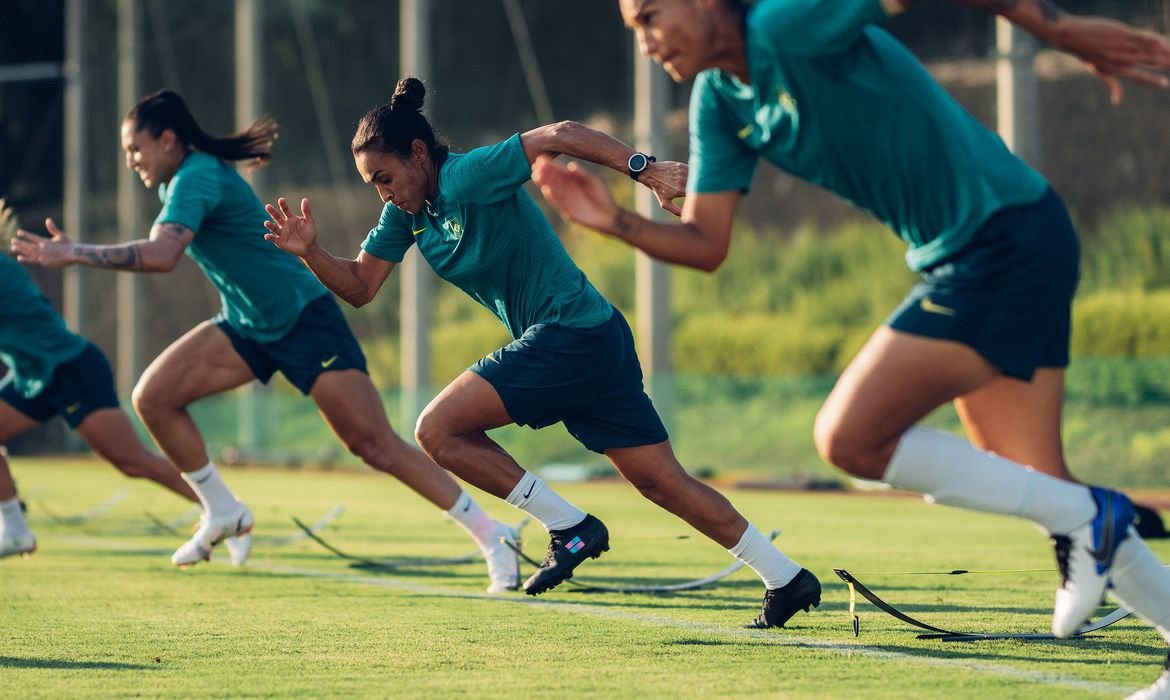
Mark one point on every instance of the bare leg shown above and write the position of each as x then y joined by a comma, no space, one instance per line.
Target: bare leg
1019,420
453,431
656,473
894,382
12,423
110,434
199,364
351,406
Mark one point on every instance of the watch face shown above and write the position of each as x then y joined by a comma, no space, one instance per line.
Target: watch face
637,163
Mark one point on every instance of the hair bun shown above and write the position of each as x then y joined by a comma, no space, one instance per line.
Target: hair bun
409,94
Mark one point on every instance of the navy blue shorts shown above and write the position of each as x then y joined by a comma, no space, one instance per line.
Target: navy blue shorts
587,378
77,388
1008,294
320,342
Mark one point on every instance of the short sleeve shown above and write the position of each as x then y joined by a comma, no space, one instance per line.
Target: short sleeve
190,196
487,174
719,160
811,27
391,238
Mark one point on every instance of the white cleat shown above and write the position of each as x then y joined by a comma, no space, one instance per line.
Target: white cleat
239,547
502,562
210,533
18,545
1085,559
1160,690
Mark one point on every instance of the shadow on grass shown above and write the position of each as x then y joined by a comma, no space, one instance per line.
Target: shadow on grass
57,664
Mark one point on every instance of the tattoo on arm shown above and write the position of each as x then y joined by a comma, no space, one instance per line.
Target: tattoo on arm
177,232
125,256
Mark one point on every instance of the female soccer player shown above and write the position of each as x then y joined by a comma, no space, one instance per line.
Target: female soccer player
573,359
816,89
275,316
54,372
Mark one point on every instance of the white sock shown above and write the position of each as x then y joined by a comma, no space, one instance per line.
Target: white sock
12,520
534,497
762,556
949,470
471,518
217,499
1142,583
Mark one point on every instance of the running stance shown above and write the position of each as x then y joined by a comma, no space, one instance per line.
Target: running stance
54,372
275,316
819,91
573,360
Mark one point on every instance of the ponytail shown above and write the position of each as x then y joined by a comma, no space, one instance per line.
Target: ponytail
165,109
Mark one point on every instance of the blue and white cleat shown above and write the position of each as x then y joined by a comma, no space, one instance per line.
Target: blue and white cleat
1085,558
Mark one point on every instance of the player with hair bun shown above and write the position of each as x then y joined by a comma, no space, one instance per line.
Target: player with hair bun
573,359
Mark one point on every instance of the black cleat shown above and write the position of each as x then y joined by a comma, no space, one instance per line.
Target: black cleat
566,549
780,604
1148,523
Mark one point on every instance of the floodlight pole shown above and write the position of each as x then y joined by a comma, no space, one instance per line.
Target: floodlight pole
415,276
651,96
1015,86
76,157
252,407
130,195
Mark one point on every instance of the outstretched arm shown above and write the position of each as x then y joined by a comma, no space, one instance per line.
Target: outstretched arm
159,253
356,281
700,240
1112,50
667,180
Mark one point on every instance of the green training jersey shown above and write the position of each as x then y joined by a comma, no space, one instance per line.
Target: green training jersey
485,235
33,338
262,288
840,103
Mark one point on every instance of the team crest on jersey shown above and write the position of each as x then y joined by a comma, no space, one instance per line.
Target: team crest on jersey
454,228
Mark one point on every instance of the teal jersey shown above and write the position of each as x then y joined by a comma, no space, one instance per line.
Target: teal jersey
485,235
262,288
33,338
840,103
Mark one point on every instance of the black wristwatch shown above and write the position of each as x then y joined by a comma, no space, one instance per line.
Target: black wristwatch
638,163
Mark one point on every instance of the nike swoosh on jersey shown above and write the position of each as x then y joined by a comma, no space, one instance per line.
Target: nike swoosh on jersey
331,360
932,308
73,409
424,228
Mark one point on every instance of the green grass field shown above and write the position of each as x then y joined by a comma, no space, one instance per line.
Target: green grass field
99,610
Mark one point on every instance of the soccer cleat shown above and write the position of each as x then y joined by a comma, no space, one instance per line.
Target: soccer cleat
210,533
803,592
1160,690
23,544
502,562
239,547
566,549
1085,558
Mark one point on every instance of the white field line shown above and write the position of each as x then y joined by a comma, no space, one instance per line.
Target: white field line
782,639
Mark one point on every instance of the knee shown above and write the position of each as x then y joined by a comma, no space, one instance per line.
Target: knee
660,489
839,445
146,399
431,435
133,468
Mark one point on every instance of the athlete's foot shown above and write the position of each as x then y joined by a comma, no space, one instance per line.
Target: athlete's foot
566,549
211,532
1160,690
502,562
23,545
239,547
801,593
1085,558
